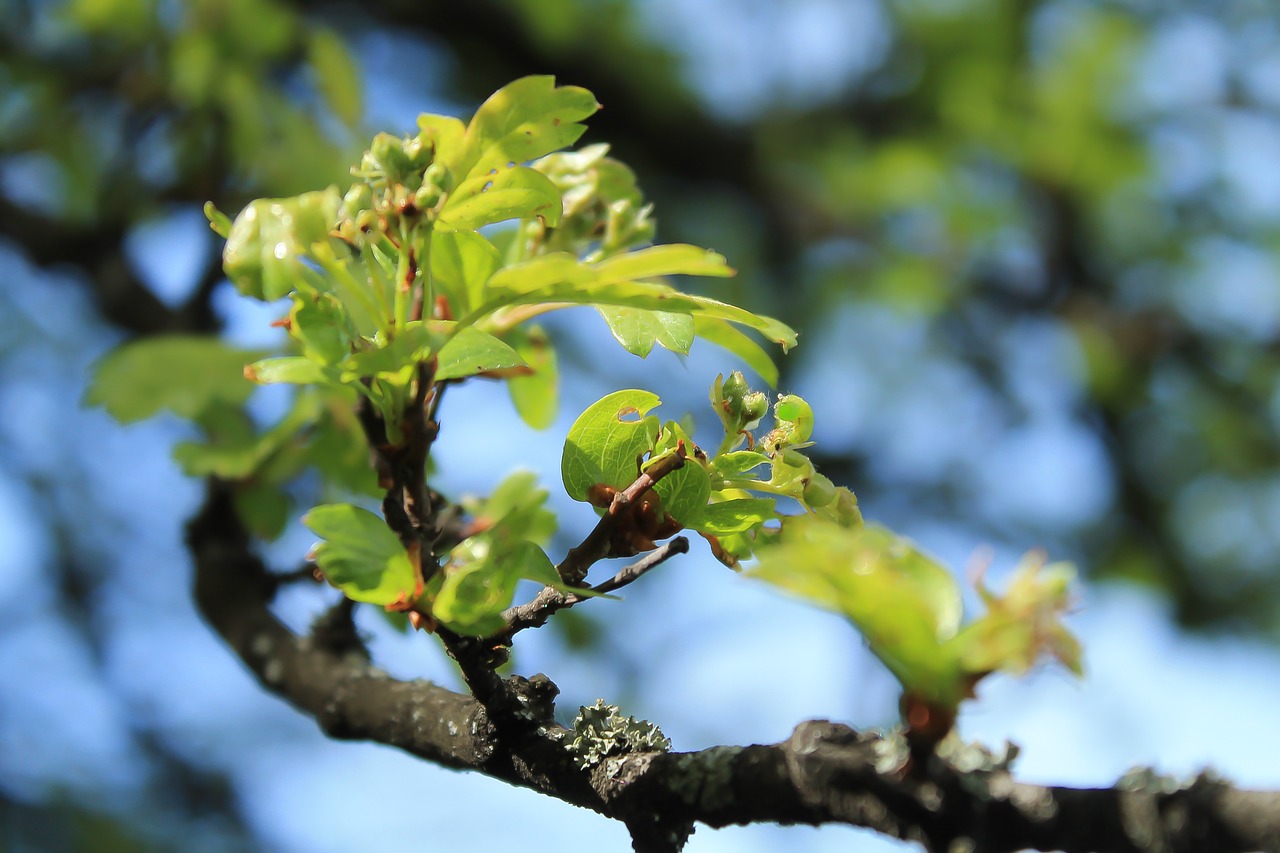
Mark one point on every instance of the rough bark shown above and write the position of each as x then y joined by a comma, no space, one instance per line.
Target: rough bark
824,773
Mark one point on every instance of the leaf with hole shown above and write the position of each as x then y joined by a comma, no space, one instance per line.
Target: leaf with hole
607,442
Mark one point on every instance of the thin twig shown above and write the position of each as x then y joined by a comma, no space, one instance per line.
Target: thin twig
596,545
535,613
306,572
655,558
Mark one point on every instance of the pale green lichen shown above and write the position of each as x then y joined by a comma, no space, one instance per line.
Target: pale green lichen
601,731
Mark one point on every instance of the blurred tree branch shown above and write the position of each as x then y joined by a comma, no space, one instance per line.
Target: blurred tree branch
824,773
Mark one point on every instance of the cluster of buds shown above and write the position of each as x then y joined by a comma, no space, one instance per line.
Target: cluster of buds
397,179
740,409
604,210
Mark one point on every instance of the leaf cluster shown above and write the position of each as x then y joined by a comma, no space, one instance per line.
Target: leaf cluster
424,273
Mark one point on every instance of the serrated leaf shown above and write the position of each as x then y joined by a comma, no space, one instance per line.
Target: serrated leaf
337,76
906,605
180,373
734,516
461,263
655,261
723,334
536,395
523,121
472,351
775,330
561,277
361,556
508,193
638,329
603,448
446,136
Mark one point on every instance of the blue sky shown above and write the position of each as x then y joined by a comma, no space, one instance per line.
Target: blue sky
725,660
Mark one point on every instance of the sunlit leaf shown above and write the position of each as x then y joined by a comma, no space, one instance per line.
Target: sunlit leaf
607,441
523,121
472,351
655,261
292,370
446,137
906,605
461,263
508,193
734,516
638,329
724,334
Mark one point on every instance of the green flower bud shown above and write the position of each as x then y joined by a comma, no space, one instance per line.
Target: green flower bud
358,199
820,491
386,159
795,418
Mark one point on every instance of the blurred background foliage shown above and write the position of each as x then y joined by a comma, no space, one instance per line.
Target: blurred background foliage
1032,248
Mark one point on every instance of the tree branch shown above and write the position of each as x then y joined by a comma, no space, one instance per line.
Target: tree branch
823,773
535,613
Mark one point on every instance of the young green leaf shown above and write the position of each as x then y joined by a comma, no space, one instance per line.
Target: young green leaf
535,395
461,263
723,334
1023,624
472,351
507,193
603,448
361,556
738,462
320,324
638,330
516,510
734,516
445,136
289,369
523,121
905,604
473,594
657,261
184,374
